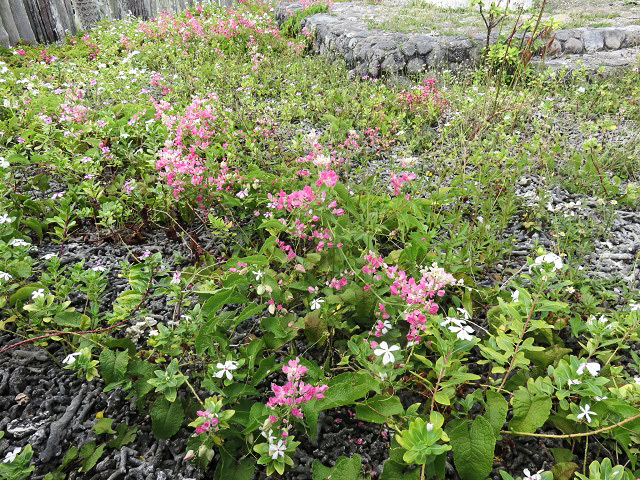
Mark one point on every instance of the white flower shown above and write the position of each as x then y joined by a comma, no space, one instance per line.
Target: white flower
277,450
3,163
225,369
38,294
429,427
5,276
4,218
99,268
581,90
464,313
532,476
600,399
386,326
71,358
574,382
387,352
634,307
269,436
548,258
586,413
637,379
258,273
515,295
176,278
18,242
243,193
153,333
463,332
592,367
316,303
11,456
49,256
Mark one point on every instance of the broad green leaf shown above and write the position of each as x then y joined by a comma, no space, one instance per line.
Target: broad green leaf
166,418
344,389
564,470
345,469
113,365
396,471
72,320
125,435
529,412
496,410
89,462
231,469
473,445
379,409
103,425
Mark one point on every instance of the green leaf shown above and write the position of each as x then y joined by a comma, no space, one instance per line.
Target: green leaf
562,455
564,470
496,410
529,412
442,398
315,327
209,310
379,409
90,461
344,389
103,426
166,418
113,365
396,471
72,320
231,469
345,469
473,445
125,435
23,293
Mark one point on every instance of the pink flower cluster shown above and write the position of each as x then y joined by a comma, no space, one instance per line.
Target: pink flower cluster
295,391
420,97
398,182
420,293
211,421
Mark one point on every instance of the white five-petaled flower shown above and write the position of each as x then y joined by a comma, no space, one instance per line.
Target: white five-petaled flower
277,450
316,303
386,351
11,456
573,382
38,294
5,276
258,273
71,358
3,163
586,412
532,476
225,369
592,367
548,258
4,218
463,332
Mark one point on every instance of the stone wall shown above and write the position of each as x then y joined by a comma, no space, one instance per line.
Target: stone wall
377,53
45,21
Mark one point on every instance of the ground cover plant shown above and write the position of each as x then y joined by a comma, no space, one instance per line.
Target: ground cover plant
441,261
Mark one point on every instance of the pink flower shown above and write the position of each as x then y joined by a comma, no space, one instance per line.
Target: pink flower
329,178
